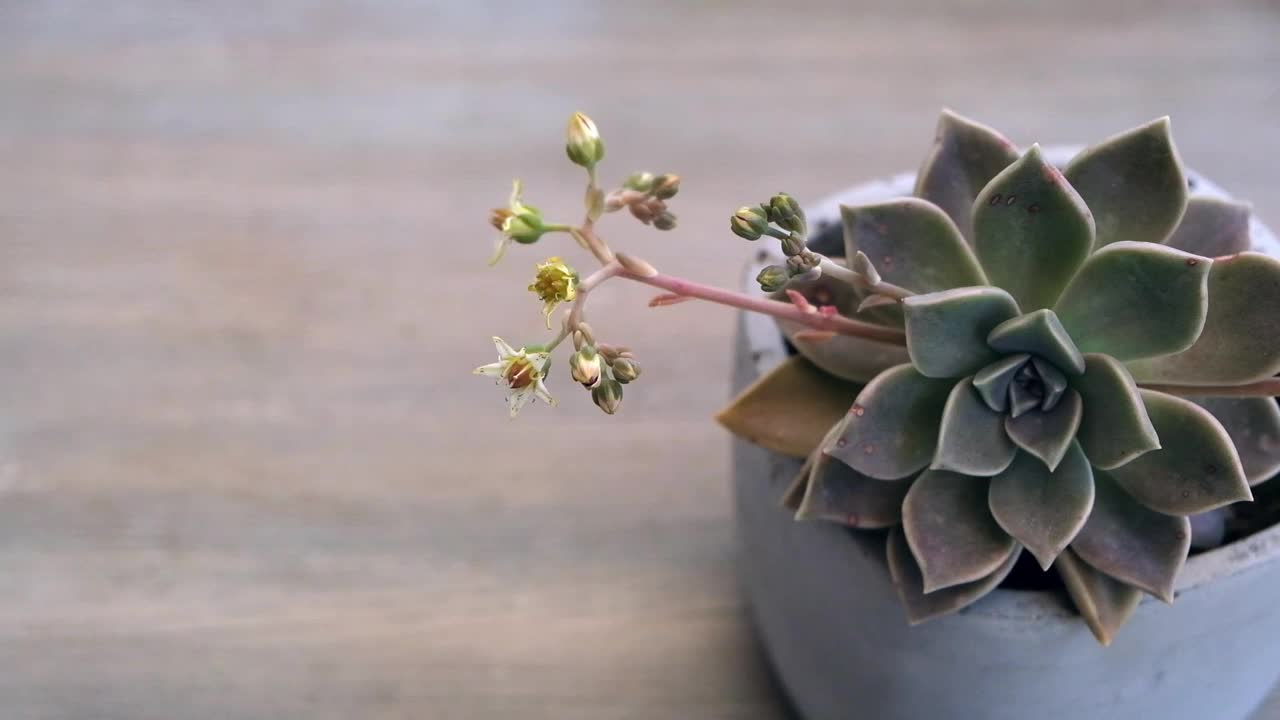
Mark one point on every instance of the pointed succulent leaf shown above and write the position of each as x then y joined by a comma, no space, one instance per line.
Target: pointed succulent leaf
1240,342
972,439
950,530
1048,435
789,409
1104,602
1041,508
992,382
794,494
912,243
838,493
1134,184
1132,543
1055,383
893,424
1212,227
1114,427
1137,300
947,330
1031,231
909,582
1254,426
845,356
964,158
1039,333
1197,468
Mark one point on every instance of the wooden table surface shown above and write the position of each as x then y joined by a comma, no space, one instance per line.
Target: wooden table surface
244,472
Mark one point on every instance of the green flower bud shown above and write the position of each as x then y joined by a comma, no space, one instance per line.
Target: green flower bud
786,212
665,221
525,228
750,222
584,146
584,366
792,244
607,396
640,182
625,370
665,187
773,278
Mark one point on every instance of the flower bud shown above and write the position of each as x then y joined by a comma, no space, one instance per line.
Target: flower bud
665,221
665,187
750,222
792,244
607,396
584,146
640,182
525,228
773,278
625,370
584,366
786,212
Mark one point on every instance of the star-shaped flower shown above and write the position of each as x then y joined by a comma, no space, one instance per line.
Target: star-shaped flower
522,372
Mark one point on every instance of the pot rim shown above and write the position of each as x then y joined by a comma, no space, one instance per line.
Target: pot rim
765,343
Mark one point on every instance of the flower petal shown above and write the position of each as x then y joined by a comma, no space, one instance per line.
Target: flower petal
789,409
504,350
964,158
912,243
838,493
1133,183
1041,508
992,382
494,370
1131,543
1104,602
1212,227
909,582
1114,427
947,330
893,427
1031,230
972,439
1254,427
517,399
1240,342
1137,300
1048,434
1039,333
949,527
1197,468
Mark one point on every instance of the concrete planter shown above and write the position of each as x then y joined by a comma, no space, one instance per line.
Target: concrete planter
838,637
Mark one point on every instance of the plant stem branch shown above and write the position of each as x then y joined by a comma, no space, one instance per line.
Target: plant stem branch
857,280
1262,388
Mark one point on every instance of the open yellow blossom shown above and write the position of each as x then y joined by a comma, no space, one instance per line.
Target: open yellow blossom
555,283
521,371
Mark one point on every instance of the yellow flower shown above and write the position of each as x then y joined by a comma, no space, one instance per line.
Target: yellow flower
521,371
555,283
517,221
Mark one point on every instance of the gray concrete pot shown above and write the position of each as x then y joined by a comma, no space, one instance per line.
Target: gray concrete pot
839,641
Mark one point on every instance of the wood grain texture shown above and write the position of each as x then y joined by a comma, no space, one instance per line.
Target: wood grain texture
243,470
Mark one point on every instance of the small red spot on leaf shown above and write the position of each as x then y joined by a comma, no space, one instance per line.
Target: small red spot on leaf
995,200
1192,262
858,410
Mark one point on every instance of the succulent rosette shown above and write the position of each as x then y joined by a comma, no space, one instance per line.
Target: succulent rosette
1075,341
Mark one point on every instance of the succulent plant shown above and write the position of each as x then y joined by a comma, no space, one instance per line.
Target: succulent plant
1080,344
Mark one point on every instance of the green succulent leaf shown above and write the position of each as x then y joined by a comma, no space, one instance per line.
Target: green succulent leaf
1137,300
1212,227
1240,342
1021,399
789,409
1104,602
1132,543
909,581
838,493
964,158
1197,468
972,439
947,330
1134,184
851,358
1039,333
1031,230
1055,383
1254,426
912,243
949,527
893,424
1114,427
1041,508
1048,435
992,382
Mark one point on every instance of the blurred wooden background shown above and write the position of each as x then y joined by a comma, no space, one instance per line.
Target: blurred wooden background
244,472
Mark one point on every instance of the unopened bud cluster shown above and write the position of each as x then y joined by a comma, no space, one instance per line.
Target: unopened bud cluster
780,218
601,368
645,195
